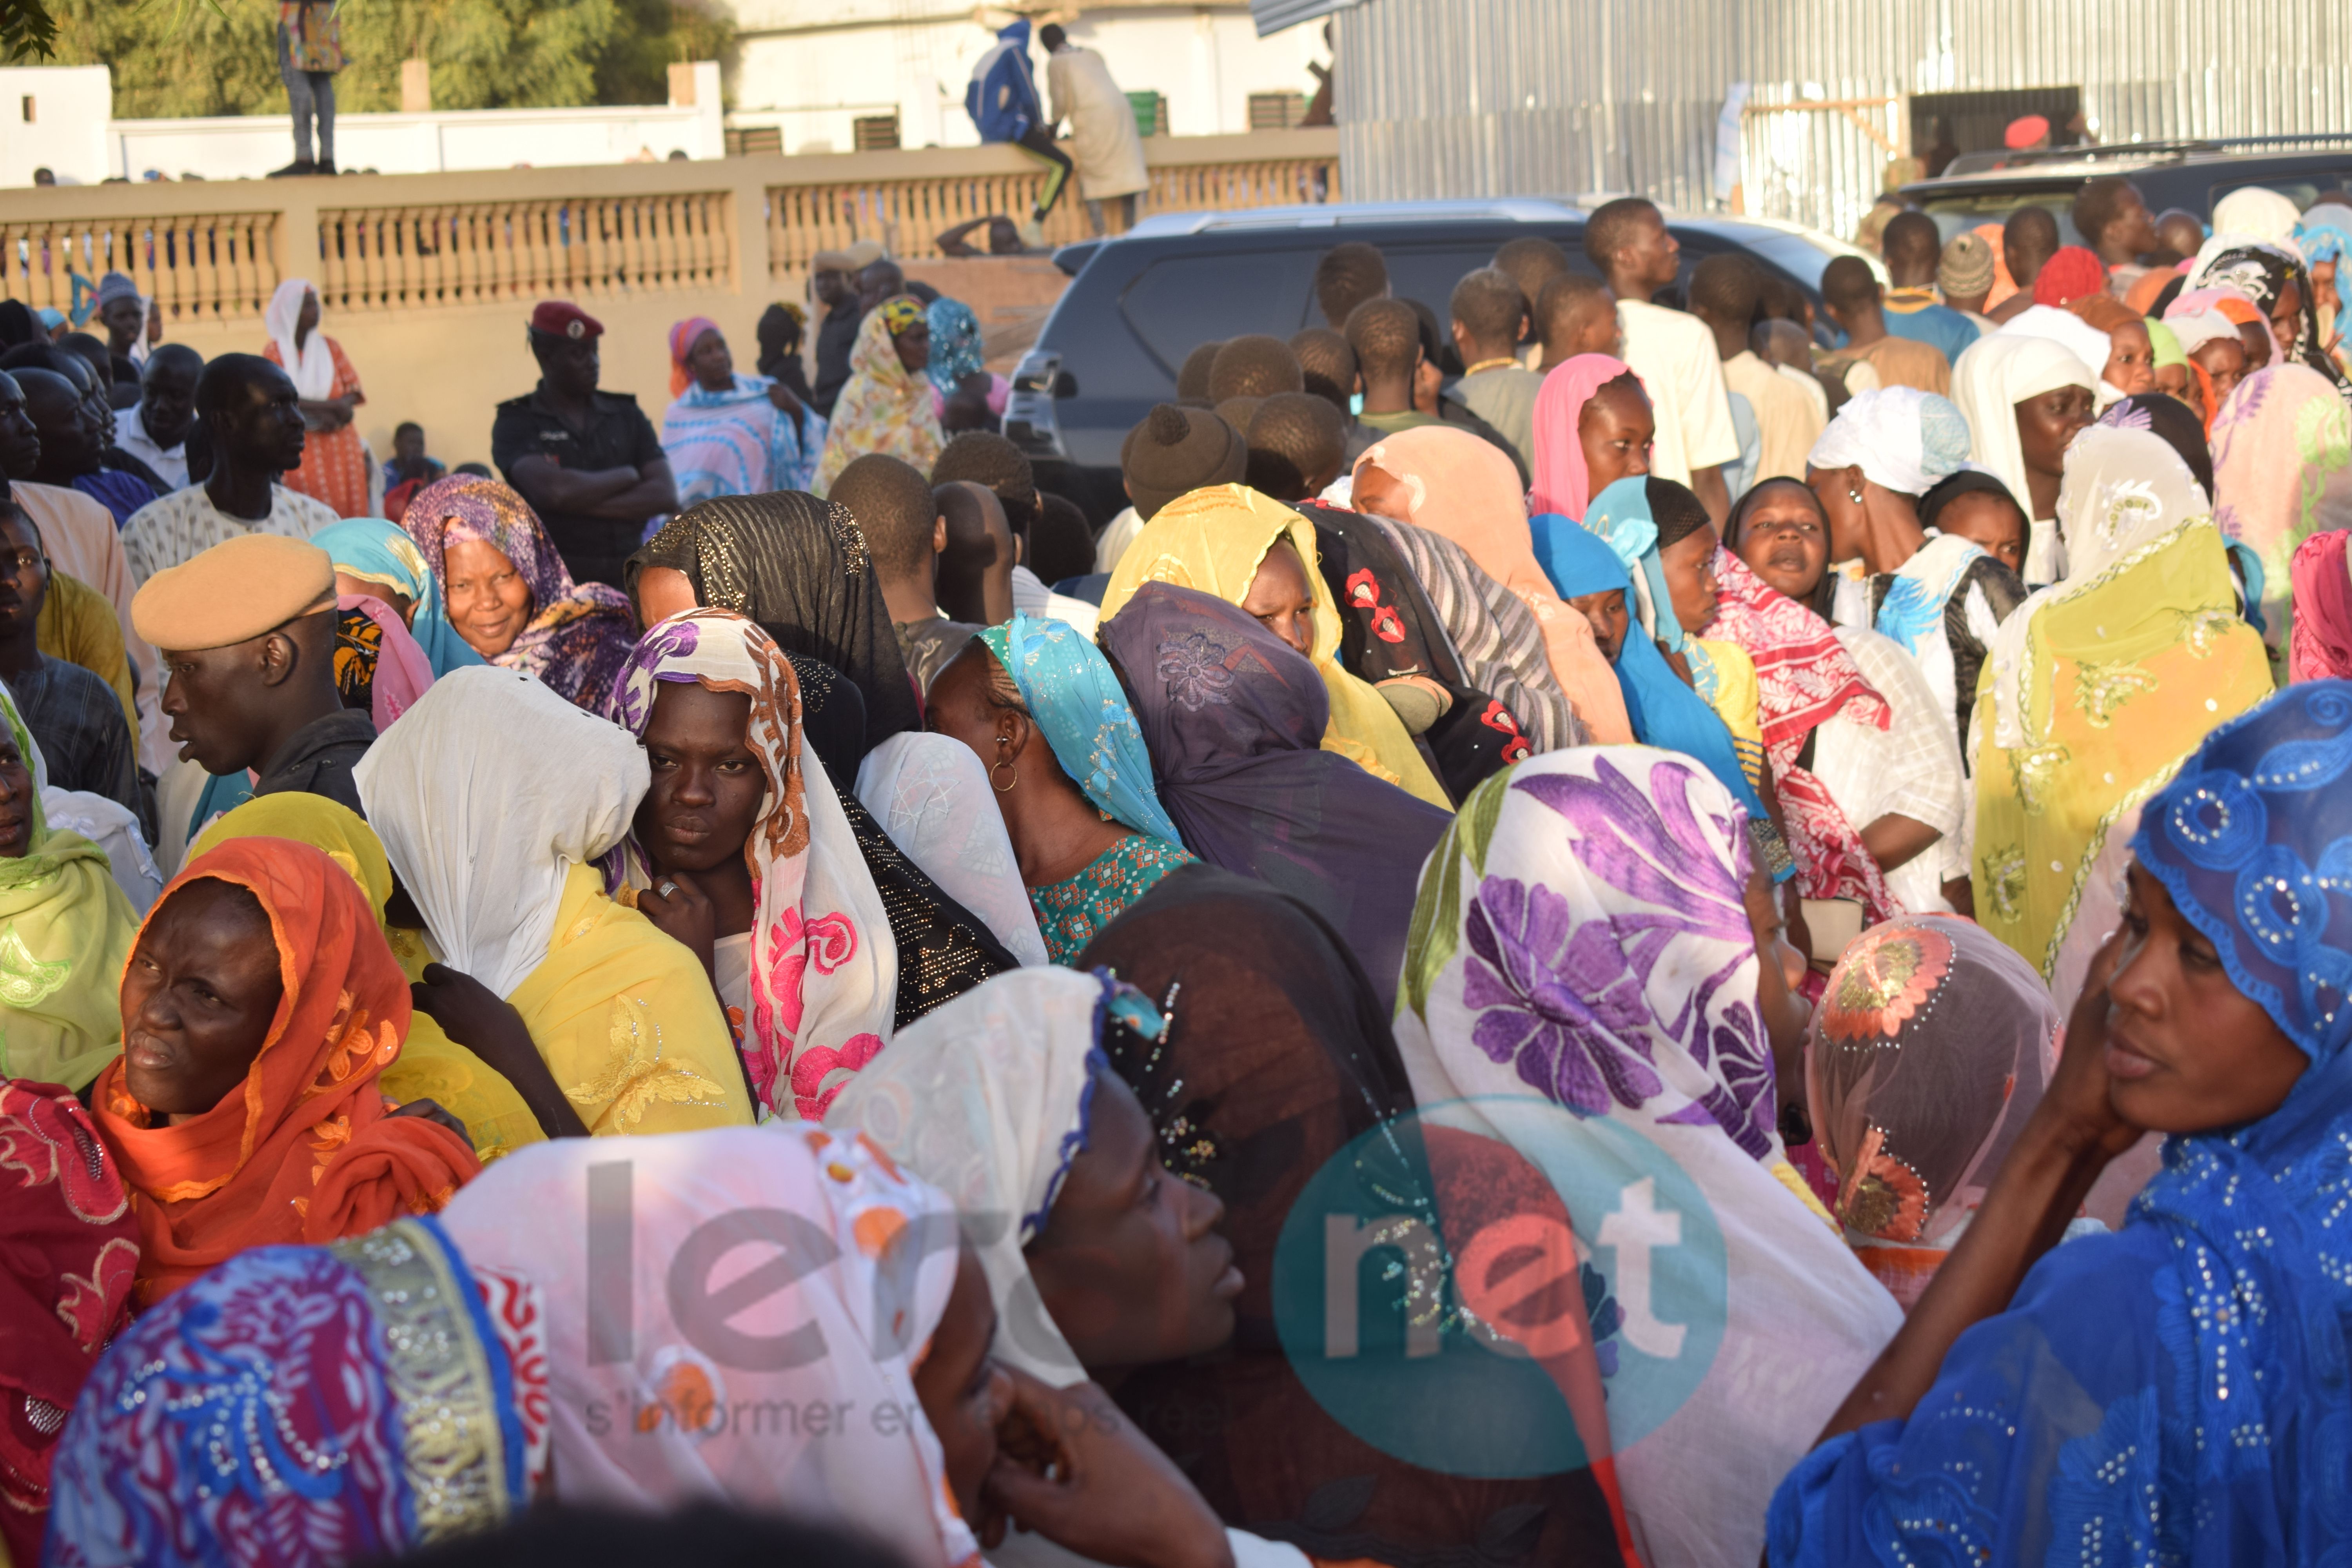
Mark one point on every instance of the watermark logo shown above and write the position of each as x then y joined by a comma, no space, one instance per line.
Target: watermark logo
1498,1288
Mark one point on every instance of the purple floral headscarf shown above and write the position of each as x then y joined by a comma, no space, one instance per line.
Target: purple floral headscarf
579,634
1581,929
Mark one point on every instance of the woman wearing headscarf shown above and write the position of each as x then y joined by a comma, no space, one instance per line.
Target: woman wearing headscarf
380,670
1457,486
1929,1048
474,1377
2099,689
378,559
2166,1392
1234,719
1100,1259
66,930
1584,975
1498,639
2321,646
2274,278
929,794
885,405
1086,825
1939,599
430,1066
778,900
261,1006
1277,1061
72,1251
337,467
1251,551
2282,472
2023,399
2072,272
799,567
494,798
1592,428
507,592
1665,711
733,435
958,361
2129,365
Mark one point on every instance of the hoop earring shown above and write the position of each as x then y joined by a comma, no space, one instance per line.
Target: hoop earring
1007,788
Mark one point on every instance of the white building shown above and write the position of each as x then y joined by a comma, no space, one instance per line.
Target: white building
808,72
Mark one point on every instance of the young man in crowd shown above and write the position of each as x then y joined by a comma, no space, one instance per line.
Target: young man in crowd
1873,357
1672,353
1913,250
1723,294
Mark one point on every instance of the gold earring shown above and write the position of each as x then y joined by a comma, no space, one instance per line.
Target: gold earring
1007,787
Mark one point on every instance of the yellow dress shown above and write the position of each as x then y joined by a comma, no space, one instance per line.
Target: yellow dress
1213,540
1724,674
628,1023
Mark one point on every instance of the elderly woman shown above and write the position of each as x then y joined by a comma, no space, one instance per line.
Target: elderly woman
729,434
260,1007
2167,1391
885,405
509,593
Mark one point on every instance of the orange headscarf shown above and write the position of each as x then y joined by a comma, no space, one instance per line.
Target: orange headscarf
305,1152
682,339
1465,488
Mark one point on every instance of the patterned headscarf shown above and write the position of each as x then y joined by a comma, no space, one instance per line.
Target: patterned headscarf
1562,484
378,552
73,1249
955,345
2263,273
578,634
378,668
682,339
2282,471
1076,700
824,967
883,407
1901,438
1583,979
1930,1045
304,1406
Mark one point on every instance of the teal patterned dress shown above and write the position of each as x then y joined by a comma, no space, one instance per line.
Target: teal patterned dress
1072,911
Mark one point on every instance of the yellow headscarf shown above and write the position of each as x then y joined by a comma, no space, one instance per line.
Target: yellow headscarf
431,1066
1213,540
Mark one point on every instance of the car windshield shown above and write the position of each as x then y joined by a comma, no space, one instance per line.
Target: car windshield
1956,210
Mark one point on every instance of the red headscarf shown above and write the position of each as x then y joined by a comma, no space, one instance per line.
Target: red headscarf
69,1250
307,1152
2320,646
2068,276
1561,484
1803,676
682,339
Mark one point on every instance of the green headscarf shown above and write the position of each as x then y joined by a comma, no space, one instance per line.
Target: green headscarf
66,931
2167,346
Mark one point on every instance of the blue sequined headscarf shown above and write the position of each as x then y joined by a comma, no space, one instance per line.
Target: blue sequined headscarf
1075,696
2253,841
955,345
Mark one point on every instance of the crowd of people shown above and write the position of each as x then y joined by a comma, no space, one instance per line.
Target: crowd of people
1866,778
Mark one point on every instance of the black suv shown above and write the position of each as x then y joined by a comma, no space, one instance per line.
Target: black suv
1138,304
1985,187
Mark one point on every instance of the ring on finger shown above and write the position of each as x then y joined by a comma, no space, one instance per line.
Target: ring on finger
668,890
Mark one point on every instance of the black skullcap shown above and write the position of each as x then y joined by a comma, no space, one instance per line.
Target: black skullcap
1175,451
1677,512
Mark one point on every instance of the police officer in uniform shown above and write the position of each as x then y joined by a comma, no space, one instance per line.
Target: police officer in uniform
589,462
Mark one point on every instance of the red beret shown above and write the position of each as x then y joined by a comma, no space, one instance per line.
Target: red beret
2024,131
562,318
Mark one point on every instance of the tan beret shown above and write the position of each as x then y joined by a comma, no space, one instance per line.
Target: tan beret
856,258
233,593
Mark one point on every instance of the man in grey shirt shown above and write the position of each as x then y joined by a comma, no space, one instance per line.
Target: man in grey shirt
1490,315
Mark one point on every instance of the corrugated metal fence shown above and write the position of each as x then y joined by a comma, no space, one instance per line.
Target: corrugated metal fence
1441,97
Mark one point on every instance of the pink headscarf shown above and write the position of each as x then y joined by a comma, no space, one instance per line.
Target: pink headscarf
682,339
402,670
2321,645
1562,484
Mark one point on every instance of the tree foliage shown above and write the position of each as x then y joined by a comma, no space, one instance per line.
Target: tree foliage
180,57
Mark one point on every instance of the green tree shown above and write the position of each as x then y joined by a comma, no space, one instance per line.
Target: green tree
486,54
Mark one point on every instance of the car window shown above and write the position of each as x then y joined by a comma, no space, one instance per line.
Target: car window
1180,303
1956,210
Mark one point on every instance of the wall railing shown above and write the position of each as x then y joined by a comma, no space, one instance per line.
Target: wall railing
215,252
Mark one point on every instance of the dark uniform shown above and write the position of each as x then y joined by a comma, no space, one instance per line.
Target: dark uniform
835,336
618,436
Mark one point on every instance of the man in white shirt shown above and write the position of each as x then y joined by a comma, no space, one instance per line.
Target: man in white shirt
1103,138
1673,354
156,431
250,410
